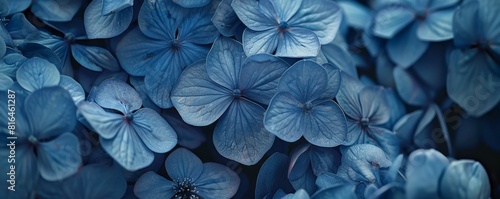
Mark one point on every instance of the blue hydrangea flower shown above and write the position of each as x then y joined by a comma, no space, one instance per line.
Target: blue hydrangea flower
366,109
410,25
168,39
303,106
474,71
234,88
464,179
189,178
107,18
294,28
129,133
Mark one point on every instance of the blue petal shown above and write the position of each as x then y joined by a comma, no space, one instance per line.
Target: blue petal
56,10
61,48
356,14
109,6
362,163
466,29
199,100
255,42
217,181
106,124
422,173
272,175
225,19
434,5
224,62
348,96
189,136
30,50
140,87
406,48
285,117
37,73
25,168
322,17
152,185
409,89
374,105
305,81
240,134
337,56
197,27
298,42
325,125
4,34
326,180
5,82
437,26
386,140
50,112
391,20
338,192
253,15
260,77
488,20
191,3
118,95
154,131
334,79
99,26
465,179
299,194
285,9
73,87
417,5
300,173
59,158
3,48
324,160
435,60
182,164
17,6
160,19
10,63
19,27
94,58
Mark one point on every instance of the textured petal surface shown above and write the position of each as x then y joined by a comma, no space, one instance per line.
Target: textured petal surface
252,15
118,95
424,167
59,158
217,181
271,175
182,164
305,81
326,125
406,48
98,25
224,62
437,26
191,3
152,185
56,10
37,73
94,58
391,20
298,42
284,117
109,6
465,179
154,131
255,42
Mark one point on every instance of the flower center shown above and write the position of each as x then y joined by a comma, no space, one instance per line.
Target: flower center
236,93
365,122
32,139
307,106
69,38
421,15
185,189
128,118
283,26
174,44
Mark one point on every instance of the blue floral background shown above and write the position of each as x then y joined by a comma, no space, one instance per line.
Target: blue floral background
265,99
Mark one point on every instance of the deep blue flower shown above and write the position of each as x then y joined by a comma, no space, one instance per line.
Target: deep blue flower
293,28
168,39
107,18
303,106
129,133
474,71
231,87
189,178
410,25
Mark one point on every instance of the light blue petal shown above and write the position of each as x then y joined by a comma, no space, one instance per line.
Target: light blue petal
272,175
37,73
19,27
4,34
160,19
422,173
417,5
285,9
340,58
489,23
100,26
140,87
25,168
434,5
225,19
356,14
386,140
182,164
348,96
305,81
255,42
298,42
260,77
466,29
106,124
110,6
362,162
217,181
240,134
94,58
118,95
465,179
5,82
17,6
323,17
409,89
56,10
299,194
391,20
154,131
285,117
224,62
345,191
253,15
374,105
198,27
10,63
406,48
437,26
325,125
59,158
199,100
191,3
326,180
61,48
334,80
152,185
50,112
73,87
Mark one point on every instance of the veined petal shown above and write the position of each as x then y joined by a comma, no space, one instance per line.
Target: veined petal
106,124
160,19
59,158
390,20
406,48
252,15
152,185
224,62
285,9
98,25
118,95
374,105
182,164
298,42
325,125
191,3
256,42
109,6
37,73
283,117
54,10
437,26
217,181
305,81
154,131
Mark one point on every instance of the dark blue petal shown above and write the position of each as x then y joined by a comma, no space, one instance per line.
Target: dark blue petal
197,27
422,173
254,15
225,19
488,21
391,20
10,63
348,96
188,136
272,175
118,95
99,26
30,50
19,27
465,179
110,6
73,87
56,10
182,164
37,73
298,42
94,58
61,48
256,42
337,56
26,169
433,60
434,5
191,3
140,87
217,181
260,76
50,112
305,81
326,180
374,105
386,140
338,192
152,185
285,117
199,100
324,160
224,62
406,48
4,34
437,26
160,19
154,131
334,80
59,158
466,29
409,89
356,14
300,174
5,82
240,134
106,124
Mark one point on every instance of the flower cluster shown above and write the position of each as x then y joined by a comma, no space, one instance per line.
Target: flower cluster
264,99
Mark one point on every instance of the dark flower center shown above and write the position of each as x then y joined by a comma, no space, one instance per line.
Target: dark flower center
365,122
283,26
32,139
69,38
128,118
308,106
236,93
421,15
174,44
185,189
